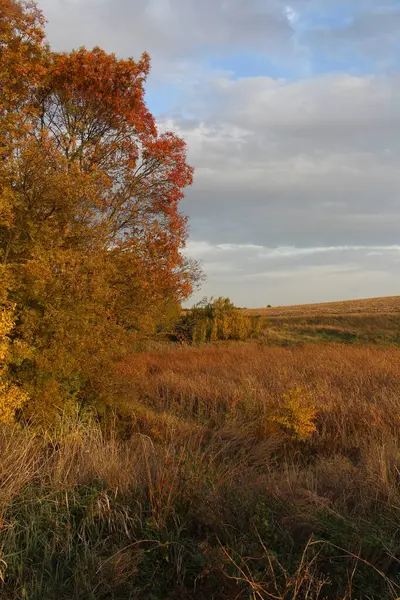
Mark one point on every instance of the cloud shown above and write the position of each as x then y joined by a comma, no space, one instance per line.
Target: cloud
291,251
292,15
256,275
313,162
291,113
202,248
339,112
170,30
371,33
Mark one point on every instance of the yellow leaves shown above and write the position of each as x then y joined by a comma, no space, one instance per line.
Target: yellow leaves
6,202
297,414
89,193
11,396
6,325
217,320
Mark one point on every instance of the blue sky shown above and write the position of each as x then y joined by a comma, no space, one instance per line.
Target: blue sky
291,113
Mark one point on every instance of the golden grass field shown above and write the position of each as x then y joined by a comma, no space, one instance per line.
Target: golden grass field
373,321
389,304
243,470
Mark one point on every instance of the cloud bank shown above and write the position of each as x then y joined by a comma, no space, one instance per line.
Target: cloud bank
291,112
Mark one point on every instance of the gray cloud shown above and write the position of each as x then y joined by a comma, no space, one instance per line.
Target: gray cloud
309,162
257,276
371,33
174,32
297,185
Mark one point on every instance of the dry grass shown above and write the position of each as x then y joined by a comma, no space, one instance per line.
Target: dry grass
370,321
349,468
239,471
356,389
389,304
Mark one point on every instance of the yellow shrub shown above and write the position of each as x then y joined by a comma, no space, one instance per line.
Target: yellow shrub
223,321
224,326
240,326
298,413
214,331
199,334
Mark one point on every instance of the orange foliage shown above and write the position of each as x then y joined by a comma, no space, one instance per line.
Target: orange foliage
21,61
90,229
92,104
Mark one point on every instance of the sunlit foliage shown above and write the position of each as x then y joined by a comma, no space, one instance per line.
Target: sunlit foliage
91,235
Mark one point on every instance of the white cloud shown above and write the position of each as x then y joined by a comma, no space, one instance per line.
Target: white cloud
291,15
292,251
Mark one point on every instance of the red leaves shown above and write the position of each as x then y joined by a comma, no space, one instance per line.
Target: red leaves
92,234
97,172
111,87
93,104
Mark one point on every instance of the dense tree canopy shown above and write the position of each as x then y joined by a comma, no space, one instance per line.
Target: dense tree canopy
91,235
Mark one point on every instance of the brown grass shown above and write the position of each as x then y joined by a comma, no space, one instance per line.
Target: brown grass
371,321
389,304
356,389
240,471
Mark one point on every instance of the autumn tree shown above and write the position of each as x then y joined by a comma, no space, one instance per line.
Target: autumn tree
22,63
92,238
22,58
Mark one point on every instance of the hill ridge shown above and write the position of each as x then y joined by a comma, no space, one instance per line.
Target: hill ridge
383,304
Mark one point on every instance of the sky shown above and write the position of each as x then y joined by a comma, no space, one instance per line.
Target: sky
291,114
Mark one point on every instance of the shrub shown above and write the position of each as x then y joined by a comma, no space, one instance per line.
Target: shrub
297,414
216,319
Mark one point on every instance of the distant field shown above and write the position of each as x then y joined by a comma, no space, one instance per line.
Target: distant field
369,321
388,304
